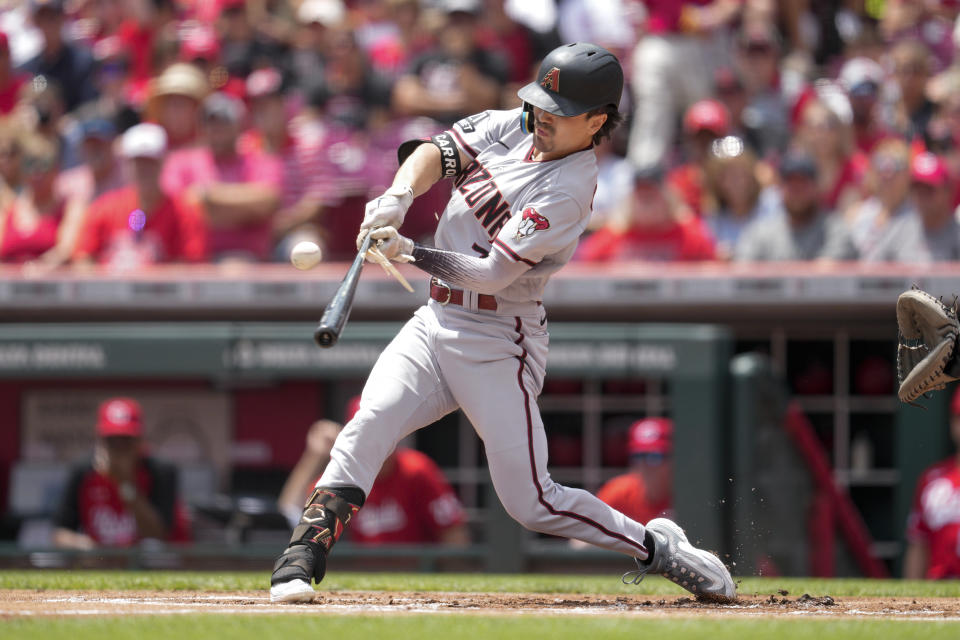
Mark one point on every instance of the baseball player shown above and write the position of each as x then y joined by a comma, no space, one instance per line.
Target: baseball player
523,184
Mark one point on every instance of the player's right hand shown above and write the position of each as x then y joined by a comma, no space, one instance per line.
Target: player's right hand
392,245
387,210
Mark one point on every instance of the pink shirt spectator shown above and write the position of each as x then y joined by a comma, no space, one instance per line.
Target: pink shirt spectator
198,167
307,169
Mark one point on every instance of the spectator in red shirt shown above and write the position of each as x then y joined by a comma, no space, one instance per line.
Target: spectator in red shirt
654,226
240,191
124,496
646,491
140,223
933,527
411,502
36,227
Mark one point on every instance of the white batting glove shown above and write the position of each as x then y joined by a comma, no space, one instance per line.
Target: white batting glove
386,211
392,245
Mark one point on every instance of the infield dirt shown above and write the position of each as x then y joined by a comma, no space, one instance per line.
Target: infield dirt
21,602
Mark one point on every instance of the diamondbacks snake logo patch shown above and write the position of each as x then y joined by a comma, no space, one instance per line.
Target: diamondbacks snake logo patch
551,80
531,221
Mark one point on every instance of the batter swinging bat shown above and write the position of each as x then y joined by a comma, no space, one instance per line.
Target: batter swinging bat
337,312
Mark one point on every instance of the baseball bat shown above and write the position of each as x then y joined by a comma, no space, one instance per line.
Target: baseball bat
337,312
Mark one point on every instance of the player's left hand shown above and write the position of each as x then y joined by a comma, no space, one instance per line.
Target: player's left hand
392,245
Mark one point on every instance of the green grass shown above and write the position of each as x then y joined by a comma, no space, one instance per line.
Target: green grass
508,583
465,627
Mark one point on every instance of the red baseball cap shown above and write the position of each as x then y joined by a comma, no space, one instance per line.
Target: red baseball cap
929,168
120,417
651,435
707,115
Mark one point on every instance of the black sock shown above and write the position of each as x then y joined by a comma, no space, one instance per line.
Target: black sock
649,543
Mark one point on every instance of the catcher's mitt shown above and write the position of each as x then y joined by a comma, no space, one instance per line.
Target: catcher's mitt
927,340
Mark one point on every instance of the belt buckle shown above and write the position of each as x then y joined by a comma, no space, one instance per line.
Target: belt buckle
444,303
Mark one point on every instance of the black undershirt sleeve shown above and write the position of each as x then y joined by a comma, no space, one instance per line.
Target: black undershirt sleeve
484,275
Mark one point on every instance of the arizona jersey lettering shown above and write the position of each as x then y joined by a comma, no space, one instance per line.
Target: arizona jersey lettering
533,212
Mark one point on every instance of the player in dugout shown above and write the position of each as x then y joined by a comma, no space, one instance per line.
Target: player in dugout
411,501
523,183
123,496
933,527
646,491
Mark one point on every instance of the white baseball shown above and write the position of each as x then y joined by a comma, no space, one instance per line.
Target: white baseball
305,255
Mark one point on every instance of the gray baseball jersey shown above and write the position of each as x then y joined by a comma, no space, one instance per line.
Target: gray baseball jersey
491,364
533,212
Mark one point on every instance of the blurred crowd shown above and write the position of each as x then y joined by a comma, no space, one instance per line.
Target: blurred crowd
136,132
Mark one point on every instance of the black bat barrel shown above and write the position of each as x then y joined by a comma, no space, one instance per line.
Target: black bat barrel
335,315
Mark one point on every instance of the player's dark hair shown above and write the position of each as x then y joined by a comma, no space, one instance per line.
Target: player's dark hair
614,118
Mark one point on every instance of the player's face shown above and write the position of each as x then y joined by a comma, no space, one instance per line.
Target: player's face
557,136
657,473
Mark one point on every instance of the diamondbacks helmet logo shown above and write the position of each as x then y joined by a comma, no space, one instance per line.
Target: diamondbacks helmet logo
551,80
531,221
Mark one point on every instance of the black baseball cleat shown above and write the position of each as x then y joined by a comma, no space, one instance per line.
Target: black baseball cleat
293,570
698,571
325,516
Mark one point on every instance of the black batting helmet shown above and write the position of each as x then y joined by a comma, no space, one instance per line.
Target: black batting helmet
574,79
